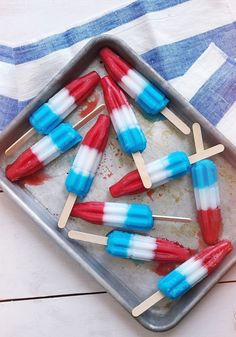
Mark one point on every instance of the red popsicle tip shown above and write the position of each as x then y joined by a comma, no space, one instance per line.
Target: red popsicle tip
83,87
26,164
113,95
105,82
212,256
91,211
115,66
106,53
97,136
130,184
211,225
171,251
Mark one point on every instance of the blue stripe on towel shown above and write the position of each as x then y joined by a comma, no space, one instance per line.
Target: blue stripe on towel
74,35
9,109
173,60
218,94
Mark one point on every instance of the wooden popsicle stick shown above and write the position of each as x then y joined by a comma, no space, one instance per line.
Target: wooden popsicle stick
142,169
67,210
206,153
197,136
89,116
81,236
148,303
19,142
171,218
176,121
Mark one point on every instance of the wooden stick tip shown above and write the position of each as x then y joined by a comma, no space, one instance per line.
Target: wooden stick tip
222,147
186,131
61,223
135,313
71,234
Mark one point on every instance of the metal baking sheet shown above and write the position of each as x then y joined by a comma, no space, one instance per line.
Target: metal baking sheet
43,197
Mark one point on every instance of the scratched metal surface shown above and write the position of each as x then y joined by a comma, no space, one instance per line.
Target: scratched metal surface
175,198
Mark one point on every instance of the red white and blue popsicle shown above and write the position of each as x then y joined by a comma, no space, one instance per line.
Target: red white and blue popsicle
49,115
187,275
207,197
130,135
147,96
136,246
206,192
85,165
161,171
121,215
43,152
61,139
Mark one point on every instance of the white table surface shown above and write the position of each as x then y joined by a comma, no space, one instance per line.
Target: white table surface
43,292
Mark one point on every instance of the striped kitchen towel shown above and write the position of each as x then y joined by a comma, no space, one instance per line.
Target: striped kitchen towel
174,36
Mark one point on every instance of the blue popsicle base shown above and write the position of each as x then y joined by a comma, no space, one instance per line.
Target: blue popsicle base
44,119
